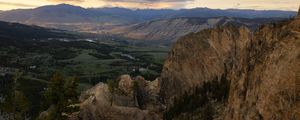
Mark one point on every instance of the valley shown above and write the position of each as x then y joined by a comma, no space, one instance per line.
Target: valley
92,60
64,61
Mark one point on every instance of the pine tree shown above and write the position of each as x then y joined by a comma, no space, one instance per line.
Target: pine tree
22,106
14,103
71,95
135,89
61,95
112,86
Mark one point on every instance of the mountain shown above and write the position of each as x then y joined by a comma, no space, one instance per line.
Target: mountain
245,13
21,31
232,73
174,28
64,16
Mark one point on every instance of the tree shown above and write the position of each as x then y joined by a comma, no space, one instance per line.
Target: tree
16,77
5,92
21,106
71,94
200,101
61,96
13,102
135,89
55,96
112,86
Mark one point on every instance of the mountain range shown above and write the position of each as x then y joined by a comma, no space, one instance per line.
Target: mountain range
164,25
64,16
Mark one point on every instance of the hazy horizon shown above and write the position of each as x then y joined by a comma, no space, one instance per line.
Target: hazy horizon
287,5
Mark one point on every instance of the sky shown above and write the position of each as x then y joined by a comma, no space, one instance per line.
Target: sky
291,5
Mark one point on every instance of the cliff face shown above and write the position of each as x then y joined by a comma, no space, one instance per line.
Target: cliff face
262,67
264,81
201,57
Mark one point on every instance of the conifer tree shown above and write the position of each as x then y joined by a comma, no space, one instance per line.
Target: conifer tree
13,102
61,96
112,86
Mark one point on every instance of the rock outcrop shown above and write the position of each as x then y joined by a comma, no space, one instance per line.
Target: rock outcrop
263,68
201,57
129,103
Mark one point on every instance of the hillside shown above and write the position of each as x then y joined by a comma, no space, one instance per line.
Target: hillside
172,29
21,31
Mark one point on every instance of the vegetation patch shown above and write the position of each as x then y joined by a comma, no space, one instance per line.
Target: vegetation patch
202,104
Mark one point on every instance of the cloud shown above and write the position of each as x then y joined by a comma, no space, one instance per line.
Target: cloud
66,1
156,4
147,1
16,4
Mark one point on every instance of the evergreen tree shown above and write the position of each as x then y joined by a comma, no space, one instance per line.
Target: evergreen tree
5,92
112,86
14,103
199,101
21,106
71,94
135,88
61,96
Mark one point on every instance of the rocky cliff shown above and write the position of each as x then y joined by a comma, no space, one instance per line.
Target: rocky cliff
262,68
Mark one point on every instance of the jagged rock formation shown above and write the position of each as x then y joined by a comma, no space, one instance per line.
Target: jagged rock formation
130,102
262,66
200,57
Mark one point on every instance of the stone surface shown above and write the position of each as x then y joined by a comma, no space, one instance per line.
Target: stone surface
96,101
263,68
125,84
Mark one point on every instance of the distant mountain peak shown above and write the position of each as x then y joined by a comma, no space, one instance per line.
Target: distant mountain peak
64,4
60,6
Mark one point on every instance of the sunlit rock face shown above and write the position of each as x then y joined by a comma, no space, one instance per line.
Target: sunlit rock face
129,103
262,66
201,57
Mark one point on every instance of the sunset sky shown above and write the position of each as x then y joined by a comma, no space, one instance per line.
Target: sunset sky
158,4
